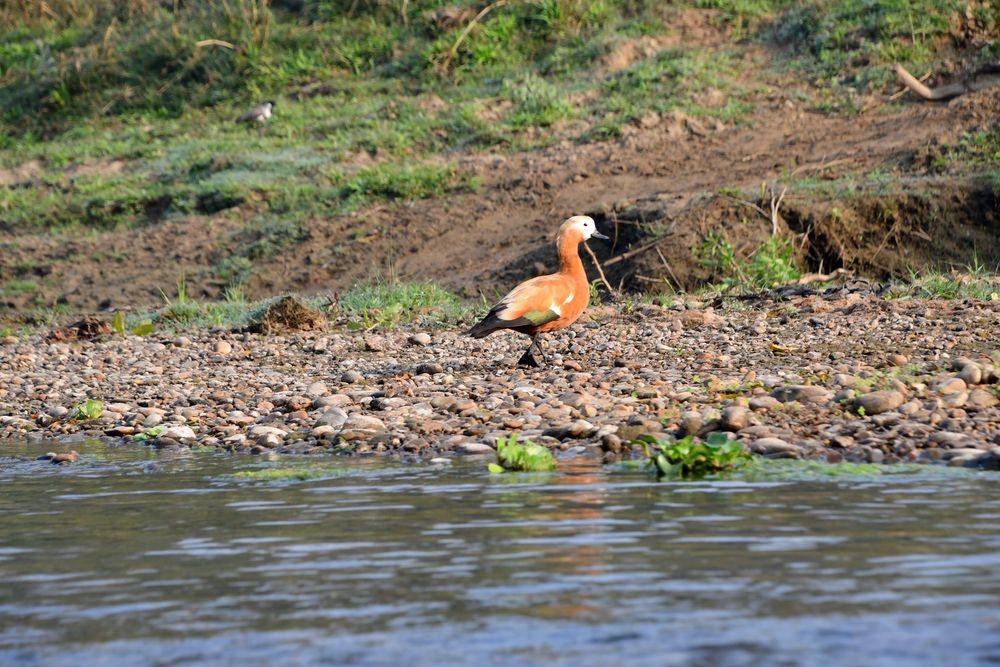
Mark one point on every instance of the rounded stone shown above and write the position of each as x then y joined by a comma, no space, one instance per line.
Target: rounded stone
317,389
878,402
775,448
950,386
422,339
691,422
734,418
352,377
897,359
333,416
179,433
971,373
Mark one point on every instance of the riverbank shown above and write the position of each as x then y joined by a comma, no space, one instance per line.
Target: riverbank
841,374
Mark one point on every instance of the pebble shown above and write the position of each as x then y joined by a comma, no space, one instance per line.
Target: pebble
764,403
971,373
317,389
179,433
734,418
775,448
896,359
879,401
223,347
352,377
332,416
422,339
474,449
802,394
950,386
982,398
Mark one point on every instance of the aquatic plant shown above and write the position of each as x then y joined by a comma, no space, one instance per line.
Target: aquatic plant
91,409
521,457
280,474
150,433
692,458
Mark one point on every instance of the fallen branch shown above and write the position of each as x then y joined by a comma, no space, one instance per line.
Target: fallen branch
632,253
977,81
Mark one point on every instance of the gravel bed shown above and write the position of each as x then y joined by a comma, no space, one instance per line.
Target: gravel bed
836,376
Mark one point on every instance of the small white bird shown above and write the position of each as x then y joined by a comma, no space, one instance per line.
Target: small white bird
258,114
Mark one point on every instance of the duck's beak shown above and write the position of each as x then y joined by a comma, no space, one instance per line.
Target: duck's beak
598,235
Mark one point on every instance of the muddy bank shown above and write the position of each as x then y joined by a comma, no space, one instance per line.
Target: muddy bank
874,193
837,375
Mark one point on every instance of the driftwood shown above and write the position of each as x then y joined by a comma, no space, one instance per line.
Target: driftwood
984,77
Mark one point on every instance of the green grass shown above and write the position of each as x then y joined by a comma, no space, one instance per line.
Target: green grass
976,282
396,181
19,286
387,303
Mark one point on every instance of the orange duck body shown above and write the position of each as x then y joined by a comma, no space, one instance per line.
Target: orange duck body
546,303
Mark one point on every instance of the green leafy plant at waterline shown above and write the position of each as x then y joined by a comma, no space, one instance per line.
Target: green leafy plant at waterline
288,474
690,458
150,433
91,409
521,457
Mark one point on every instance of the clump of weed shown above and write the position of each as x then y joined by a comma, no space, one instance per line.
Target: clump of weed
772,264
690,458
524,456
287,313
281,474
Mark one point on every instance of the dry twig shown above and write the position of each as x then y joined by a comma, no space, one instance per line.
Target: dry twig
465,33
599,269
669,270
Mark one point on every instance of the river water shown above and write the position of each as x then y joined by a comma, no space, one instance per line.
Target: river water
127,558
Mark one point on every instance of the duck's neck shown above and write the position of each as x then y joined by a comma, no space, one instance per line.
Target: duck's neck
569,257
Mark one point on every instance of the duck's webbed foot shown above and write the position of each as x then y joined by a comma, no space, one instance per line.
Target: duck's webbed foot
527,359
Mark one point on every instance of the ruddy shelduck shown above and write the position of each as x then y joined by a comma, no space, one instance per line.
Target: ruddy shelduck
546,303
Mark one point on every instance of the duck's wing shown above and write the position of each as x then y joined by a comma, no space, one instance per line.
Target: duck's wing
531,304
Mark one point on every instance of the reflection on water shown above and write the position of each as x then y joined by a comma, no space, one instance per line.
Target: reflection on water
124,559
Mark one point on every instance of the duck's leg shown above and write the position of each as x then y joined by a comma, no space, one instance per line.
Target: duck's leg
527,359
536,340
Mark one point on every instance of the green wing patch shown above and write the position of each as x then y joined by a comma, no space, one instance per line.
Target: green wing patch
540,317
